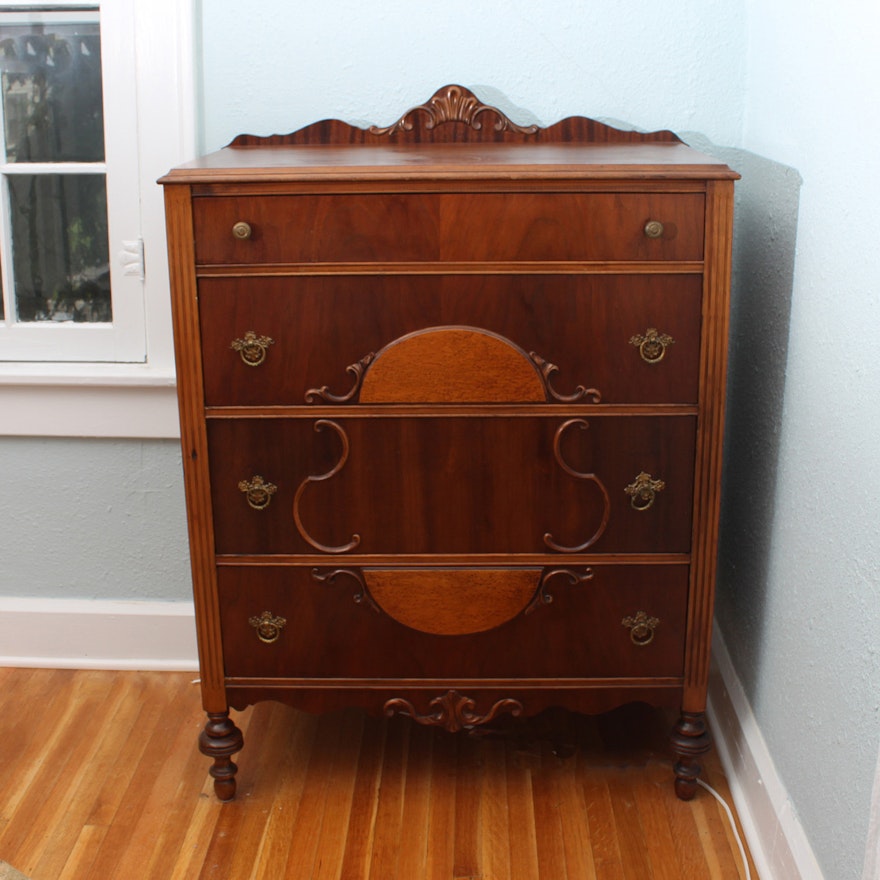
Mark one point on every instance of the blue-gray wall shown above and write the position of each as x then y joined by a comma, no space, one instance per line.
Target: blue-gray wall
93,519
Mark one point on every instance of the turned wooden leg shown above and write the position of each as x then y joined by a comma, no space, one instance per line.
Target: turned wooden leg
690,740
220,740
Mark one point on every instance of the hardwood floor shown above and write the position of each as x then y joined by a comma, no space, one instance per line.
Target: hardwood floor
102,780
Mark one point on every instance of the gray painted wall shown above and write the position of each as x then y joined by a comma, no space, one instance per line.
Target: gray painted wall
799,558
93,519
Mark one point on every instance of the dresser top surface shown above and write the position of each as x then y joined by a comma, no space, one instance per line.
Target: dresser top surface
431,161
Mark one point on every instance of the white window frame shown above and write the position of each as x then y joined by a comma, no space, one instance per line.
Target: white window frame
107,396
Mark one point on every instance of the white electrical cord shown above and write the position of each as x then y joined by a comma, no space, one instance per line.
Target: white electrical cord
730,818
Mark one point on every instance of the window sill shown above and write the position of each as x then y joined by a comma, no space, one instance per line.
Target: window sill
88,400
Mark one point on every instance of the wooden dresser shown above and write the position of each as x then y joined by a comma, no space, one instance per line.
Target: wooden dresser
451,400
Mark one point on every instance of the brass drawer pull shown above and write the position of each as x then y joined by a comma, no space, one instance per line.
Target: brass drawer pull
641,628
258,492
268,627
252,348
643,490
652,345
243,231
653,229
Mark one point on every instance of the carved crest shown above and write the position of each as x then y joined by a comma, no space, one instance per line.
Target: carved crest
453,104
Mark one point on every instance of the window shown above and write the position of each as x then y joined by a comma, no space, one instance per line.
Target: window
96,103
68,192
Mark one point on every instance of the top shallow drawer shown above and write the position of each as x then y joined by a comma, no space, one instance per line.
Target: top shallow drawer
456,227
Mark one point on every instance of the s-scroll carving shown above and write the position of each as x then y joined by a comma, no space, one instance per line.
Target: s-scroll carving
547,370
453,711
544,597
361,597
355,370
320,478
583,424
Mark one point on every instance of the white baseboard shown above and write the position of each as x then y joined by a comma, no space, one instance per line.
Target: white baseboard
97,634
776,839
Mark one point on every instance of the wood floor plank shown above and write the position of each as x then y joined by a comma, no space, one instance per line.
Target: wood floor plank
30,735
441,842
495,809
336,818
199,832
578,848
74,793
468,814
257,790
151,699
48,795
416,814
603,828
161,830
107,782
522,820
81,857
303,851
549,838
628,830
125,842
365,801
290,766
650,795
685,840
389,808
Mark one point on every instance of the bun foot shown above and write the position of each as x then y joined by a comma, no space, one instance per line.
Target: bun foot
690,740
220,740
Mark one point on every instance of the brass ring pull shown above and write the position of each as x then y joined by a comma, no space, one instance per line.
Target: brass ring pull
242,230
653,229
652,345
268,627
643,490
252,348
258,492
641,628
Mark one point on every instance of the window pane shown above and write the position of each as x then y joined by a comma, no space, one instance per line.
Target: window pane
52,98
60,257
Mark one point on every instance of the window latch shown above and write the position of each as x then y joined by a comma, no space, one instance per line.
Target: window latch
131,258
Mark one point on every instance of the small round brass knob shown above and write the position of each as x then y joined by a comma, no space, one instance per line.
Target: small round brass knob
653,229
242,230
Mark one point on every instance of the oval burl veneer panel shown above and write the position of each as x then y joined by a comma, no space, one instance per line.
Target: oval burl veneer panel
452,365
452,601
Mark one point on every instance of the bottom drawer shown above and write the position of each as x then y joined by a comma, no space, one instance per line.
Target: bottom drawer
584,622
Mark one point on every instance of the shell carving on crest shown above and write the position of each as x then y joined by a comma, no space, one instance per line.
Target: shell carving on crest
453,104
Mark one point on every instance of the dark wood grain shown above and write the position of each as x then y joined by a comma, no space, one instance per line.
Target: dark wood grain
422,387
551,643
323,324
461,227
444,486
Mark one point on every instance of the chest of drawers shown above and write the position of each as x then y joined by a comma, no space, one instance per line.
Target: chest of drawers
451,399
